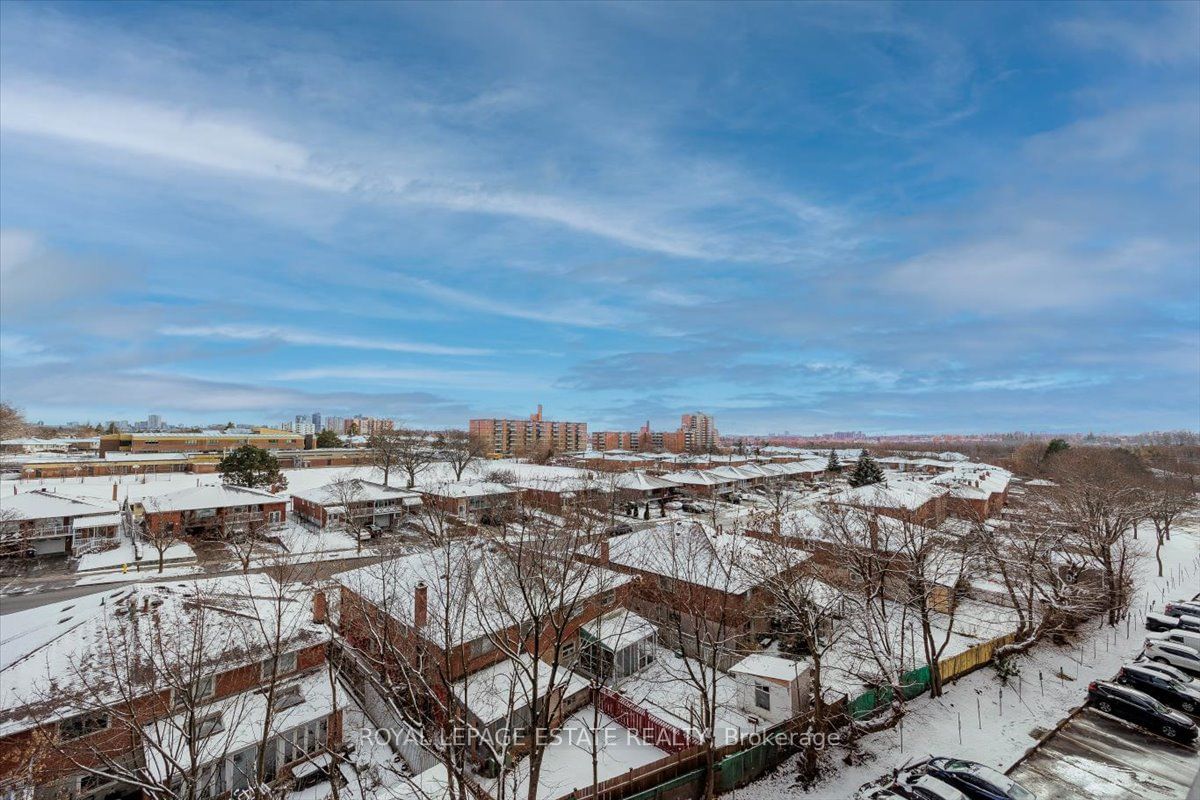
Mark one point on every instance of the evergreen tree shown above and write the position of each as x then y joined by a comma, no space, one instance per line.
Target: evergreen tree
833,465
1056,446
251,466
866,471
328,439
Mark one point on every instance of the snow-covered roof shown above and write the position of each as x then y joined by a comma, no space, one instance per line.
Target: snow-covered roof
242,719
199,497
764,665
696,477
641,482
361,492
466,489
619,629
508,686
41,504
902,494
468,593
52,655
689,551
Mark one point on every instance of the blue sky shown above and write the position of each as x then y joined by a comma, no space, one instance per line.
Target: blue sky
811,217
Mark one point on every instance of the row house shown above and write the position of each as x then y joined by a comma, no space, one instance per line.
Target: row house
977,491
473,501
137,692
208,510
919,502
41,523
356,500
451,621
693,583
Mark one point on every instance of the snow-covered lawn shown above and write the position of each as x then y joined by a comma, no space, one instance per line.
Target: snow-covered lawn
998,724
124,554
567,764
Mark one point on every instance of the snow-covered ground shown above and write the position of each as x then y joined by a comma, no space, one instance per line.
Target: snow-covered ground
124,555
981,720
567,764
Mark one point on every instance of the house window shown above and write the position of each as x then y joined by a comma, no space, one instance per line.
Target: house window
209,726
201,689
285,664
287,698
273,517
83,725
568,652
762,696
481,646
609,598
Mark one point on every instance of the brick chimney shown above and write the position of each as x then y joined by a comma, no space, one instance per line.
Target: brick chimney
604,551
320,607
421,605
114,491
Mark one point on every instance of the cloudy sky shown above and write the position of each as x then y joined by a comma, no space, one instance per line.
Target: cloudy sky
892,218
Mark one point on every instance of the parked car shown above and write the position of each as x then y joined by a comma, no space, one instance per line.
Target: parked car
1166,690
1179,636
1177,655
695,508
620,529
674,505
1140,709
1181,607
873,792
977,781
1189,623
1174,673
922,786
1161,622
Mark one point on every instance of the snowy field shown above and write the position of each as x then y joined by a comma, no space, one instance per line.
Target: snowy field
979,720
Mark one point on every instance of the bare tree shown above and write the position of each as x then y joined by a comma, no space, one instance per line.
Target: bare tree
460,449
161,536
1168,497
810,616
385,452
1099,495
414,453
12,422
348,493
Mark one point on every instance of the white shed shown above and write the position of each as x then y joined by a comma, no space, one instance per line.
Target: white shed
770,687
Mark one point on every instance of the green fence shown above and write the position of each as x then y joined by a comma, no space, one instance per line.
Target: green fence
913,683
663,788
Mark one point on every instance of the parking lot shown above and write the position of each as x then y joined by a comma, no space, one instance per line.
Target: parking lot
1097,756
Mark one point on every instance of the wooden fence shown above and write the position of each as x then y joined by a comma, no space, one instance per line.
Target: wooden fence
648,727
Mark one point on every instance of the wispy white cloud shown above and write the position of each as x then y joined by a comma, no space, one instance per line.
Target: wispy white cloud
20,350
202,140
292,336
1167,32
575,313
476,379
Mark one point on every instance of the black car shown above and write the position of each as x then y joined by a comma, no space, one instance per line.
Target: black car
977,781
1174,673
1157,623
1182,696
1140,709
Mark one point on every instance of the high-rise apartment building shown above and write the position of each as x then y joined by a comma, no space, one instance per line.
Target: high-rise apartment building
316,421
154,422
516,437
700,431
697,433
335,424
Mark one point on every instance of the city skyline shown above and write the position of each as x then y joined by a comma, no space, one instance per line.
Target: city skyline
894,219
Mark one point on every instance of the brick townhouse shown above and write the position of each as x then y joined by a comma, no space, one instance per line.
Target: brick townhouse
45,523
208,510
165,684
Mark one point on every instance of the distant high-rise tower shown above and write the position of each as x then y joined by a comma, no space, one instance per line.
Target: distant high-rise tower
699,430
316,421
154,422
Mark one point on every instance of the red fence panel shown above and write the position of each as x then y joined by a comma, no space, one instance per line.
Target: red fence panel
650,728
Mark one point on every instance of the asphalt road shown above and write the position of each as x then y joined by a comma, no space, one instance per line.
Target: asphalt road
23,594
1098,757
